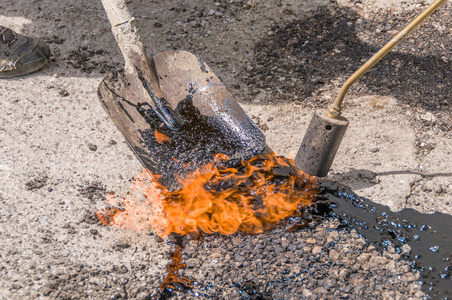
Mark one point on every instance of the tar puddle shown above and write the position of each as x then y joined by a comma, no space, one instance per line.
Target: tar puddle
428,235
266,194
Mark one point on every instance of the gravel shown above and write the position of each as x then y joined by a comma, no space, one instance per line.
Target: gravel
319,263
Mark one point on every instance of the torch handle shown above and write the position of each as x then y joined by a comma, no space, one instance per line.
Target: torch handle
334,110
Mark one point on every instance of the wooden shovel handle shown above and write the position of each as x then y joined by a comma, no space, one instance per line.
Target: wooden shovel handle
126,33
117,11
129,41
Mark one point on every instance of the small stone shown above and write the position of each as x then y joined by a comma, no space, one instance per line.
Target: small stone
378,261
211,12
36,183
71,230
439,189
307,249
46,291
74,295
122,244
311,240
317,250
112,142
63,93
334,255
333,236
264,127
307,293
143,296
374,150
284,244
92,147
320,290
428,116
363,258
406,249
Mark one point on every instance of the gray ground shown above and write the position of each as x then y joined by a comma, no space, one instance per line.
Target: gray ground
60,152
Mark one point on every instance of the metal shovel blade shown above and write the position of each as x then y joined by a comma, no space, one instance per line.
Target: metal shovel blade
212,122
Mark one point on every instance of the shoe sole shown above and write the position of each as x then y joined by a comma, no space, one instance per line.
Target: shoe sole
25,69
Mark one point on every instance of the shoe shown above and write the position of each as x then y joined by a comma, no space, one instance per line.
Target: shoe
21,55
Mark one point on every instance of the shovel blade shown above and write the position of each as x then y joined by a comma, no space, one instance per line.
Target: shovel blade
213,122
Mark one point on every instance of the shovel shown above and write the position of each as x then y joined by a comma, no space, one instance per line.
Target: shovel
173,111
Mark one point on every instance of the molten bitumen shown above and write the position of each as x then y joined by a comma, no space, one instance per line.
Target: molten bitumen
425,240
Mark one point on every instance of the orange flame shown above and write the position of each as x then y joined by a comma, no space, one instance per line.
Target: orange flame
139,210
161,138
216,198
173,272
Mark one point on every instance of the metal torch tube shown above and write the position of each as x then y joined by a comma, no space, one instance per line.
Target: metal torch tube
320,143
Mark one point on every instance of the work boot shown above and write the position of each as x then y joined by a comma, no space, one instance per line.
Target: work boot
21,55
